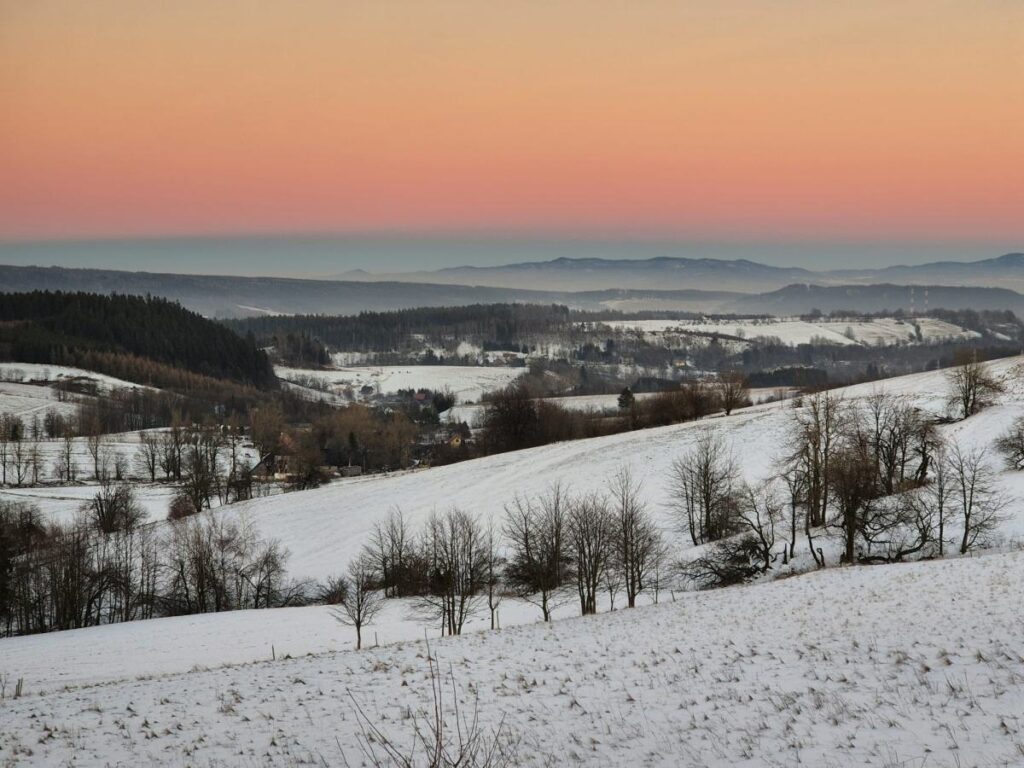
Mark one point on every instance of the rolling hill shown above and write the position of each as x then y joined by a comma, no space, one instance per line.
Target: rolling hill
883,665
743,275
115,332
682,289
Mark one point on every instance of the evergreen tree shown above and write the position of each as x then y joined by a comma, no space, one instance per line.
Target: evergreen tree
626,399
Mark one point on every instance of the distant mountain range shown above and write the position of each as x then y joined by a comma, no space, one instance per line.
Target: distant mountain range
232,296
742,275
228,296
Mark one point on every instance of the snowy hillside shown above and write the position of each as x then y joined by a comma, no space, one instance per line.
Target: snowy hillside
28,400
63,504
467,383
324,528
907,664
876,332
60,503
608,404
37,372
902,665
27,391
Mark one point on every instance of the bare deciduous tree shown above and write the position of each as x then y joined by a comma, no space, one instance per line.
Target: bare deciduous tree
391,549
796,490
114,508
732,391
65,466
360,599
900,437
492,574
852,480
539,562
1010,445
937,495
818,422
976,497
638,543
96,444
455,548
702,489
971,384
147,456
172,449
759,514
592,544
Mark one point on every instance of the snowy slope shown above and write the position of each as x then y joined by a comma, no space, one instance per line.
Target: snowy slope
471,414
62,504
324,528
903,665
29,400
881,331
25,372
607,404
467,383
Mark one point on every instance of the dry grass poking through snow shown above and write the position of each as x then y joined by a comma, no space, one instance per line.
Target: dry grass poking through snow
909,665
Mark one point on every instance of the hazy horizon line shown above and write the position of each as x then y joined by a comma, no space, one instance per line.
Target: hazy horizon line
328,255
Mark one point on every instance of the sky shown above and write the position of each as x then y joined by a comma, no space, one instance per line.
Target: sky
413,134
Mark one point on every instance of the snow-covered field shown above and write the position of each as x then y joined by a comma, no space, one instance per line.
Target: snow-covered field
878,332
608,404
467,383
62,504
56,660
331,397
470,414
26,372
324,528
919,664
28,400
903,665
123,445
26,388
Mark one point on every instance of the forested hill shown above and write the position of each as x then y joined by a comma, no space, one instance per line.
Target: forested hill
370,331
100,331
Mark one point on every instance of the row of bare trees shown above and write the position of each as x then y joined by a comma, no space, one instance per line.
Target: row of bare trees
516,418
108,566
548,549
208,460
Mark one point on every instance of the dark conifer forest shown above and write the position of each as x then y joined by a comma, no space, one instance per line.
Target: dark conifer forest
119,335
371,331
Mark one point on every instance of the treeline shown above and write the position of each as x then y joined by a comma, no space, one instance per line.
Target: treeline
105,333
500,326
299,350
985,321
515,418
108,567
545,551
773,363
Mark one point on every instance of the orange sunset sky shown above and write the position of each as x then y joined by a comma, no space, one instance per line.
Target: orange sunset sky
751,119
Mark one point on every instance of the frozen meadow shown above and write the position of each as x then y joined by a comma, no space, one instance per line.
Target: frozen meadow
467,383
917,664
901,665
883,331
